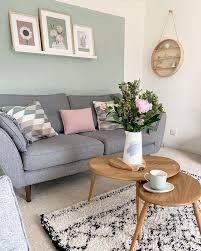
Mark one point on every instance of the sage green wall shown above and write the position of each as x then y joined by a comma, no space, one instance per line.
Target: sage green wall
29,73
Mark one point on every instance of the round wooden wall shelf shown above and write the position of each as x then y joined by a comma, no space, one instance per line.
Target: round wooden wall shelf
167,58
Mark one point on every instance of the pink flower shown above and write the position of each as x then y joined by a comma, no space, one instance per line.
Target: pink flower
143,105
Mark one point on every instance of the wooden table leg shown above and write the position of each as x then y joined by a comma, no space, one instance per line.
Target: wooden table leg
138,206
137,201
197,215
93,180
139,224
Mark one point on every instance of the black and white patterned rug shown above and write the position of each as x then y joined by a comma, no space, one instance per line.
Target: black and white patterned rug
107,223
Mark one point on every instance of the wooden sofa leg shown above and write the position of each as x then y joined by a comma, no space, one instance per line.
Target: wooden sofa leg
28,193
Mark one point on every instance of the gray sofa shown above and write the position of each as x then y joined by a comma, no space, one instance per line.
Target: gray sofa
63,155
12,232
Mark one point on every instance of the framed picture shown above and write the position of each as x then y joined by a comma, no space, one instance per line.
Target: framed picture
25,32
56,32
83,40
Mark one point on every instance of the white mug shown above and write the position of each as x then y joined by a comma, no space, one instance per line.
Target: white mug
157,179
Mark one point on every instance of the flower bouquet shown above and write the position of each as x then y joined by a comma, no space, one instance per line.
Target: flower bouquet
136,111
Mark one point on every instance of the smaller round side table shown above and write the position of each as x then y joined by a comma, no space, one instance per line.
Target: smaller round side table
187,191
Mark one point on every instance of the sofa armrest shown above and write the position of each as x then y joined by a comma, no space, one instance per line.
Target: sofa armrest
12,233
156,135
10,160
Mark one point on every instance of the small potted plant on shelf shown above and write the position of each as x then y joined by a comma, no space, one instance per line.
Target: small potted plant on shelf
136,111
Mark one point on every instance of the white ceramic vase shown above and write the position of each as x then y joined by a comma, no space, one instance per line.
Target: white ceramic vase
133,148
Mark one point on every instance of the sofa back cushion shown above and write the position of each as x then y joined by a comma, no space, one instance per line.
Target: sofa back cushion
79,102
51,104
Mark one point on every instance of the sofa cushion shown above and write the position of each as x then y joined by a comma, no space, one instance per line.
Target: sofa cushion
50,103
8,124
32,121
78,120
114,140
12,233
78,102
59,150
105,119
148,139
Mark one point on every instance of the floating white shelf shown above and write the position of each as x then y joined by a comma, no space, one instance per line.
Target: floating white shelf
58,54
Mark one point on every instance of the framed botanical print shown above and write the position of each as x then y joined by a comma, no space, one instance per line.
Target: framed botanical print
25,32
56,32
83,40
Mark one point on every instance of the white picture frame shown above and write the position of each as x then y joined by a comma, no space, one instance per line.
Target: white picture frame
56,32
25,32
83,40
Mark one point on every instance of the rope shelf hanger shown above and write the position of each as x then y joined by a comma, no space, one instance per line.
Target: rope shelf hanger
170,15
168,55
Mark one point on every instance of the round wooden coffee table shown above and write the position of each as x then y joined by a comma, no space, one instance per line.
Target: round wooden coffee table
187,191
100,166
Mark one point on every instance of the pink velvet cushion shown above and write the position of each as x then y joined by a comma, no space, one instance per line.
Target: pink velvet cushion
75,121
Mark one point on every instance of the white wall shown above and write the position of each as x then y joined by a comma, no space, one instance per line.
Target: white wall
133,11
181,93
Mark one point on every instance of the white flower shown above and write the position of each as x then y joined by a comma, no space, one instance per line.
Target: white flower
53,33
139,121
59,29
59,38
26,33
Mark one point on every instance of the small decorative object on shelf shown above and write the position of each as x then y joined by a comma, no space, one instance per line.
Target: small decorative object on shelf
167,46
168,55
136,112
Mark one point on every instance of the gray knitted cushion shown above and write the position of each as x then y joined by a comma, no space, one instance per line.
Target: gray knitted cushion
8,124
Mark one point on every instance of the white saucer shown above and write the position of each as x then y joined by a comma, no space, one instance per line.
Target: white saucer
169,187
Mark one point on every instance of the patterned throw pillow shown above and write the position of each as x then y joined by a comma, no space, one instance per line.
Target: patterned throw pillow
105,120
32,121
